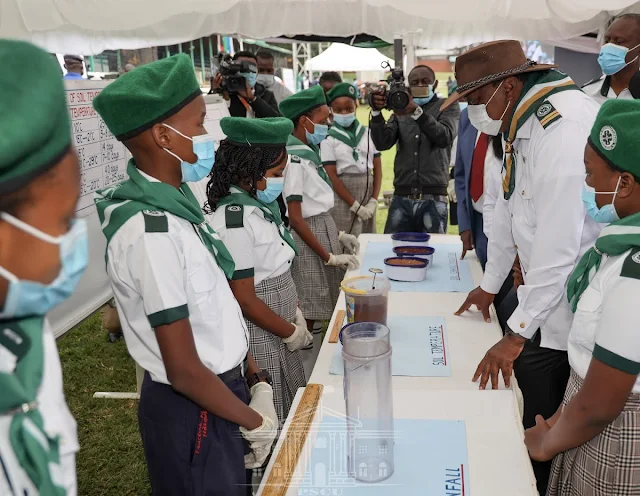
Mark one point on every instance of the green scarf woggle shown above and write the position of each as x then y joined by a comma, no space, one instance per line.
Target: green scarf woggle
271,212
37,453
308,152
118,204
350,136
615,239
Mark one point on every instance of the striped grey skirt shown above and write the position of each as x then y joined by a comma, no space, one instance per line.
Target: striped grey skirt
609,464
356,184
268,350
318,284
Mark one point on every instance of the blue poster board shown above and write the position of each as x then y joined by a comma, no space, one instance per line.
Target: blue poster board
419,344
447,274
429,457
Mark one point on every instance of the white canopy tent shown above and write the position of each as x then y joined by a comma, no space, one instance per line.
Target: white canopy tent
340,57
91,26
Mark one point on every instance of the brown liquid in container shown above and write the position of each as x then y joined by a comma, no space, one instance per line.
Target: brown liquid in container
371,309
407,262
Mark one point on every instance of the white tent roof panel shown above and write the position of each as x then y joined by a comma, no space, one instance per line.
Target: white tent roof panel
340,57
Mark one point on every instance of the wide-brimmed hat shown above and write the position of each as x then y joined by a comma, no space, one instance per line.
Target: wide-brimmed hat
490,62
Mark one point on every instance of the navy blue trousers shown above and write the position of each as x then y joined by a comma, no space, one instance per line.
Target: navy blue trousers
189,451
427,216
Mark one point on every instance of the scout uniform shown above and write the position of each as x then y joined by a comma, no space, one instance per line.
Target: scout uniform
165,264
600,90
263,248
38,438
306,181
352,151
603,292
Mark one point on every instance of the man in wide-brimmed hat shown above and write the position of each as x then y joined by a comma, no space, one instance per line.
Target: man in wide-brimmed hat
545,120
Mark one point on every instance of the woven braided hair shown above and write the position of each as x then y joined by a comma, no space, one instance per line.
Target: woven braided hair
239,165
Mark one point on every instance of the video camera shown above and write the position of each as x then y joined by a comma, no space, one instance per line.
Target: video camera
397,95
232,80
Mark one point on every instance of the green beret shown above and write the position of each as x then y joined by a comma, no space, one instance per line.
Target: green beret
341,89
303,102
614,135
139,99
272,131
35,133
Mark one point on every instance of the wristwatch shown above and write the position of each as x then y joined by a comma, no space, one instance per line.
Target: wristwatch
417,113
262,376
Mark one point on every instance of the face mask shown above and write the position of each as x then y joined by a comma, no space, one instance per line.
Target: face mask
251,78
272,191
266,80
480,118
34,298
422,94
344,120
605,215
463,105
423,100
320,132
204,149
612,58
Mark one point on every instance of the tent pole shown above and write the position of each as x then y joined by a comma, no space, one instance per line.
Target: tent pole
202,60
211,55
119,54
180,47
191,50
296,69
398,52
168,54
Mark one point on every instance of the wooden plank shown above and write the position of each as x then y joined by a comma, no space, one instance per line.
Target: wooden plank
337,325
287,459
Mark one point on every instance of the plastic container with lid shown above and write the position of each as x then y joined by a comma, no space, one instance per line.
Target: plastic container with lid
410,239
366,351
407,269
367,301
425,252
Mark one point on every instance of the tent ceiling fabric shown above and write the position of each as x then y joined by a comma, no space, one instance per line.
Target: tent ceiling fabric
90,26
340,57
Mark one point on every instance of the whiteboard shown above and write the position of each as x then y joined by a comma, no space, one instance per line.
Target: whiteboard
103,162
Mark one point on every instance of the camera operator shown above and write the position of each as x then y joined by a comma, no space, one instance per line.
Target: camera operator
252,101
267,78
424,137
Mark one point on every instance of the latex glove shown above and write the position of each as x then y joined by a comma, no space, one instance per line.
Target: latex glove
346,262
371,208
261,438
349,241
356,207
360,210
301,337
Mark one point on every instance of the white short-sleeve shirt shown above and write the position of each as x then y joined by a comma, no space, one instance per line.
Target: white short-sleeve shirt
256,246
303,183
335,152
162,277
604,326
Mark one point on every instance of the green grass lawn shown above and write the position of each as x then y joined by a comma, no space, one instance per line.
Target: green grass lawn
111,460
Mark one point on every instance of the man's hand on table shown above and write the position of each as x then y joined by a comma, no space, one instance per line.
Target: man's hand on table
481,299
498,359
467,242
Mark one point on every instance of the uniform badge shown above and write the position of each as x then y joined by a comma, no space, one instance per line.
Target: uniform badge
352,90
153,213
547,114
544,109
636,258
608,138
234,208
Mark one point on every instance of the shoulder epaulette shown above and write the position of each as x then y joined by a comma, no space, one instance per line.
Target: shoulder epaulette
155,221
234,216
593,81
631,265
547,114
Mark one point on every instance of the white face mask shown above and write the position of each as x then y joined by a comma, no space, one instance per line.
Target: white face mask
480,118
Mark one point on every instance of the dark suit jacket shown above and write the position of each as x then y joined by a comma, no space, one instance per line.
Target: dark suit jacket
265,104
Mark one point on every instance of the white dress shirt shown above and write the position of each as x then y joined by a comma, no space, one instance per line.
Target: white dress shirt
334,151
604,326
173,275
545,221
594,90
492,190
302,182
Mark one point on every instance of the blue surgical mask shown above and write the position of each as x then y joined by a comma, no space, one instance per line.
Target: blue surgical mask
34,298
273,190
204,149
266,80
251,77
612,58
344,120
605,215
320,132
422,100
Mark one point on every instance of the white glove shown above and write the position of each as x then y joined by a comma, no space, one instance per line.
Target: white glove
349,241
361,211
371,208
345,262
261,438
301,337
356,207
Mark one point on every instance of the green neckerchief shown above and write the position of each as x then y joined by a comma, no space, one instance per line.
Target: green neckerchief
350,136
615,239
271,211
36,452
537,88
308,152
118,204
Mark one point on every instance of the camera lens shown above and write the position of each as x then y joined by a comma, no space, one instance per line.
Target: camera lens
398,100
